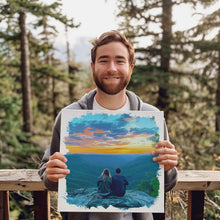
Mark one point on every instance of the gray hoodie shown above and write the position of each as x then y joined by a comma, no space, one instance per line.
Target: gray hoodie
86,102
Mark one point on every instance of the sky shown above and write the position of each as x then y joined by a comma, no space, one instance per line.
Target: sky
95,16
108,133
98,16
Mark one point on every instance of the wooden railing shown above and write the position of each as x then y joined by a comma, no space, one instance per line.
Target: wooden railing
196,182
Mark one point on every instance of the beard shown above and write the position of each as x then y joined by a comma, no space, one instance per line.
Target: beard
111,88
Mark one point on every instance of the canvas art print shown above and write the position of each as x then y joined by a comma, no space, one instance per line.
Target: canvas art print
110,161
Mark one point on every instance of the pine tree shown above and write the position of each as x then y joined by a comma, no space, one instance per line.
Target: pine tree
20,8
149,25
207,46
72,69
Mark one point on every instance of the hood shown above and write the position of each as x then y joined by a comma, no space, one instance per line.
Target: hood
86,102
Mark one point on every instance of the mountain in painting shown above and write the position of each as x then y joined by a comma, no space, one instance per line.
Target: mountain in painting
86,168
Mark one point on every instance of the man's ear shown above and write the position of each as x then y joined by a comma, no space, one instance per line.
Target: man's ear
92,67
131,68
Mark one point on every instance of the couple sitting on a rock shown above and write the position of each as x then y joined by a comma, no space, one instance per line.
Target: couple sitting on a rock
115,185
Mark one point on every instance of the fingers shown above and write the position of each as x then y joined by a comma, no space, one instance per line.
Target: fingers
168,162
55,174
165,147
165,150
166,159
56,167
167,155
58,156
166,144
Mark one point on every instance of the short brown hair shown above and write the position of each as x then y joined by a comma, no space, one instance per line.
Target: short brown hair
111,36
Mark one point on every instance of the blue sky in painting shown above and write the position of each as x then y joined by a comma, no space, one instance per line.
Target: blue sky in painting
114,126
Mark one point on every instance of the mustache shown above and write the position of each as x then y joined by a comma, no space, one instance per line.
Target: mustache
112,74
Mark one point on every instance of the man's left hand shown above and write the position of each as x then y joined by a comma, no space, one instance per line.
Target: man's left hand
167,155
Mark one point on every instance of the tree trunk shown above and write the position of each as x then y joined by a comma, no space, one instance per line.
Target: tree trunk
70,69
49,80
163,101
217,114
54,95
25,72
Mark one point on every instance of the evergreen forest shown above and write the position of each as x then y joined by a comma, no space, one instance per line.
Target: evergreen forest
176,71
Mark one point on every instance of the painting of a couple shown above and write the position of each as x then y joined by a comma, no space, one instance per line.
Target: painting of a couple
111,166
111,185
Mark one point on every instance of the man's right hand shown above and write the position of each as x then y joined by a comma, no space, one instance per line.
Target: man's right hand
56,167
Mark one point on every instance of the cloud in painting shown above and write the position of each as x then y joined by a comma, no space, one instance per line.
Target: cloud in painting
103,129
113,123
144,130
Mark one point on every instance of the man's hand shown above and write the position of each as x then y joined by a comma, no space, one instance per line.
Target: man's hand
56,167
167,155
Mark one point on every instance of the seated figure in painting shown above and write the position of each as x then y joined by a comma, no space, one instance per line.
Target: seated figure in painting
118,184
104,183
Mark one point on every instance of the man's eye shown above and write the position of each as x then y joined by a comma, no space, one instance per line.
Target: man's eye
103,61
120,61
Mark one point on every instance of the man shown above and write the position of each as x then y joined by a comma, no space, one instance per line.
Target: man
112,64
118,183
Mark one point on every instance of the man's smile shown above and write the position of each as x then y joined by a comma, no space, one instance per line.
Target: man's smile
111,77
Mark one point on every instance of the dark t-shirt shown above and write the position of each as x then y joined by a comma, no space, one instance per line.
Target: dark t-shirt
119,185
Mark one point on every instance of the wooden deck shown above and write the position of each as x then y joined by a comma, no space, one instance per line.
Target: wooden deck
196,182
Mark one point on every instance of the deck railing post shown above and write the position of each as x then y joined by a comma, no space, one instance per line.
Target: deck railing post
41,205
4,205
195,205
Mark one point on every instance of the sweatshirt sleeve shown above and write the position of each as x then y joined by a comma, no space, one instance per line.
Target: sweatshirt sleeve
171,175
54,147
170,179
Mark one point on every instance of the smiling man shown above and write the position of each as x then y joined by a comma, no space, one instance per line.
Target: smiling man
111,69
112,63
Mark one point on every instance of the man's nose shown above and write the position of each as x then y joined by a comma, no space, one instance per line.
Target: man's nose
112,68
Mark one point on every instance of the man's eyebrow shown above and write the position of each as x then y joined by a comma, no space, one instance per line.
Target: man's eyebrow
106,56
103,57
121,57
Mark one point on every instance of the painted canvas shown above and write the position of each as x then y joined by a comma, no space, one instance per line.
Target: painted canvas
110,161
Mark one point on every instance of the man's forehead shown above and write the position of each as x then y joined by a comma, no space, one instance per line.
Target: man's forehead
112,49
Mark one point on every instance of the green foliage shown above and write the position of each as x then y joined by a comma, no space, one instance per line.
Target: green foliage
155,184
45,70
150,186
15,147
144,186
20,149
21,205
210,212
11,7
155,138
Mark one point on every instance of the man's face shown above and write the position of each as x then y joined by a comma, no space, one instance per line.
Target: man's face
111,70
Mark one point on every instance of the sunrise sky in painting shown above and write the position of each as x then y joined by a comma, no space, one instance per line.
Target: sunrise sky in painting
106,133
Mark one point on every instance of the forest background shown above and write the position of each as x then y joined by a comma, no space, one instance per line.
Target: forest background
177,71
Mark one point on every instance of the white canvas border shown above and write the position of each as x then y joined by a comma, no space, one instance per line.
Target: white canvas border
66,115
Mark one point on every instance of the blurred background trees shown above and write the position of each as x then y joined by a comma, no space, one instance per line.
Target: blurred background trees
177,71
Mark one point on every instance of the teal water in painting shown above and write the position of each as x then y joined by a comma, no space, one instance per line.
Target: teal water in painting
86,168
